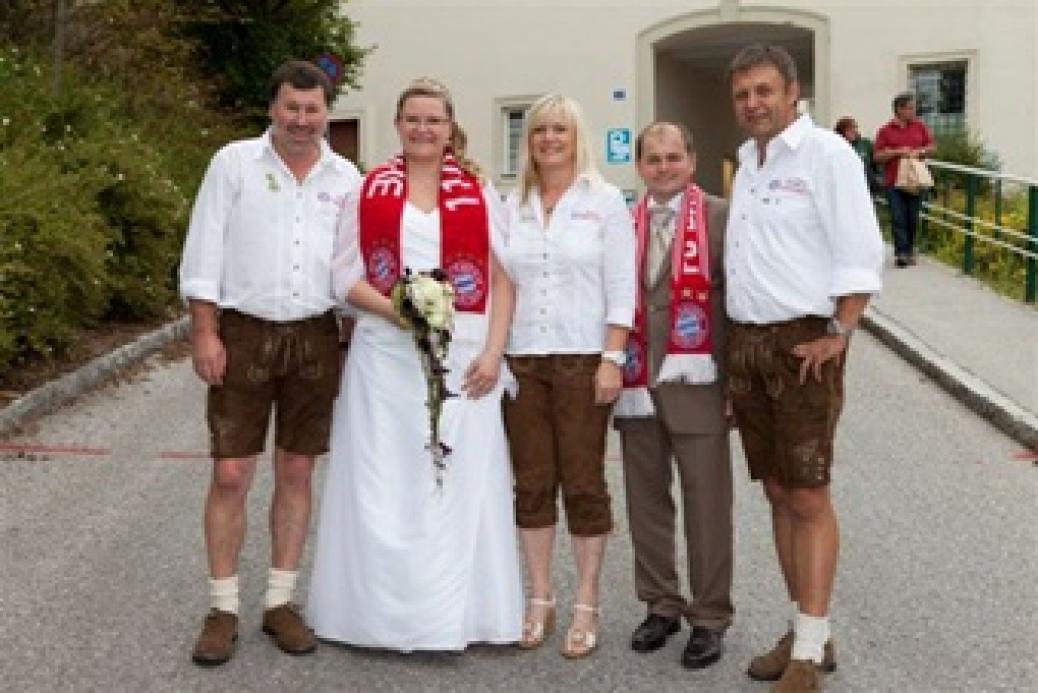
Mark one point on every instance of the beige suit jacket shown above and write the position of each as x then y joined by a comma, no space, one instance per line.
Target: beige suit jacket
690,409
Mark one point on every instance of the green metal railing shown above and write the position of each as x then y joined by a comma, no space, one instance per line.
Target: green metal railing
996,215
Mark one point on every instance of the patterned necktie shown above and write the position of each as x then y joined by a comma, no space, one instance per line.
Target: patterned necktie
661,233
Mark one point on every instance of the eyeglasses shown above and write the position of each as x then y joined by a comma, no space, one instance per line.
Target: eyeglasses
413,121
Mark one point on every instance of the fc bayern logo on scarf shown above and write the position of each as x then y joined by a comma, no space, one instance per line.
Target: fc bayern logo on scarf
382,269
470,286
690,326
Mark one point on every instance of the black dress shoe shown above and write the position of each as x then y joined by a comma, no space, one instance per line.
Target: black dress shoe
653,632
704,647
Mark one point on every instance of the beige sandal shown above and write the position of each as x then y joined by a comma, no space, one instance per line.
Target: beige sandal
581,642
535,632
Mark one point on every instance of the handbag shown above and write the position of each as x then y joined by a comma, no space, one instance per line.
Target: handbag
913,176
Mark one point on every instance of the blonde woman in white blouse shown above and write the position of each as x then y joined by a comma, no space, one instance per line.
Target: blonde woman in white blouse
570,252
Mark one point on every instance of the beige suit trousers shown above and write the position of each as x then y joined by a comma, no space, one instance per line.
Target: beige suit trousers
703,461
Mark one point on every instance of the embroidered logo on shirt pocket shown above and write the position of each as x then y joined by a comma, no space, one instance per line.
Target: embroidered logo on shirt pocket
789,185
585,215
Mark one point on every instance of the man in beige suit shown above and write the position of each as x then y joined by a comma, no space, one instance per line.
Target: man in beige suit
673,404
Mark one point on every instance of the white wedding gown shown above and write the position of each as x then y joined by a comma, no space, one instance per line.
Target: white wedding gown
398,564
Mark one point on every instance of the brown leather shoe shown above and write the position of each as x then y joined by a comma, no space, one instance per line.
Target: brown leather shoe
289,631
772,664
801,676
215,645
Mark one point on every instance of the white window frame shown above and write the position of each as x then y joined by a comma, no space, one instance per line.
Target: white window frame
506,175
972,93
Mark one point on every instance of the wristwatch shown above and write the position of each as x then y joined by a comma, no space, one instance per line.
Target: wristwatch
835,327
619,358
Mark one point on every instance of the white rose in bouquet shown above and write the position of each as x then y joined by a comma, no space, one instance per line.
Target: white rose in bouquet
434,299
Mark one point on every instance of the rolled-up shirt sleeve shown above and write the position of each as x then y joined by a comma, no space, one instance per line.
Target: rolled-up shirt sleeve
618,271
201,265
849,220
347,262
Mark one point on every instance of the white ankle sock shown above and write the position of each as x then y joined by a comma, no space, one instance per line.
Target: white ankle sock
280,586
811,633
223,594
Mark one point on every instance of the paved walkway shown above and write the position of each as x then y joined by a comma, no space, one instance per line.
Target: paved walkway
978,344
102,572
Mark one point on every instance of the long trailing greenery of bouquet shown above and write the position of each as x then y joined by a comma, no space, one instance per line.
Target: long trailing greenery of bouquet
425,303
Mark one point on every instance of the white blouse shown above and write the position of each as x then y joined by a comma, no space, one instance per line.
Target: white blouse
574,276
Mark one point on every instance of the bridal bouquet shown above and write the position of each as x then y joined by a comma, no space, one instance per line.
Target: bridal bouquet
425,302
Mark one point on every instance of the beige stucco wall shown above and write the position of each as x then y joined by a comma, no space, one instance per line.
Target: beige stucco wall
487,50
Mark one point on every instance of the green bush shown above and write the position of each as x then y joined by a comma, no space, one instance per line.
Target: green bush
53,246
100,166
90,225
145,212
966,149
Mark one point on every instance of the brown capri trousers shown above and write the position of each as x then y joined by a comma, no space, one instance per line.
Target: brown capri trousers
557,437
787,429
293,367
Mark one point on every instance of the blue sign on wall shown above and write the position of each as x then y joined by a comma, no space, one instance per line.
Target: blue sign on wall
618,146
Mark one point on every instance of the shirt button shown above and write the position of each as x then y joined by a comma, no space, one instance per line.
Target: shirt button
544,311
545,275
546,256
298,219
295,267
295,294
296,242
544,328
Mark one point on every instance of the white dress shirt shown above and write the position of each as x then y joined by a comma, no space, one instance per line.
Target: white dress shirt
802,230
658,250
260,242
574,277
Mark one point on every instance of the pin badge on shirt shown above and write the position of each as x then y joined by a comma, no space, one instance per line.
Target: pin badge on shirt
272,182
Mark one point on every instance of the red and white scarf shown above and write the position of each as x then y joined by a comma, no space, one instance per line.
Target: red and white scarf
464,230
690,344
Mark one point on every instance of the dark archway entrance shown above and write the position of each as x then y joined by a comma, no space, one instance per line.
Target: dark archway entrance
691,87
681,73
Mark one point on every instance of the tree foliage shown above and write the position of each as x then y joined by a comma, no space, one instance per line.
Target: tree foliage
97,178
243,41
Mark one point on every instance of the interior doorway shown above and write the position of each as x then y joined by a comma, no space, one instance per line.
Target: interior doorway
344,138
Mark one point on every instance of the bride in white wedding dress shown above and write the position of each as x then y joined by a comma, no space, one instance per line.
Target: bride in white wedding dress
400,563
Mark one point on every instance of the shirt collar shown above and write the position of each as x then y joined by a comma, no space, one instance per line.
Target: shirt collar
327,156
791,137
585,180
795,133
674,202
